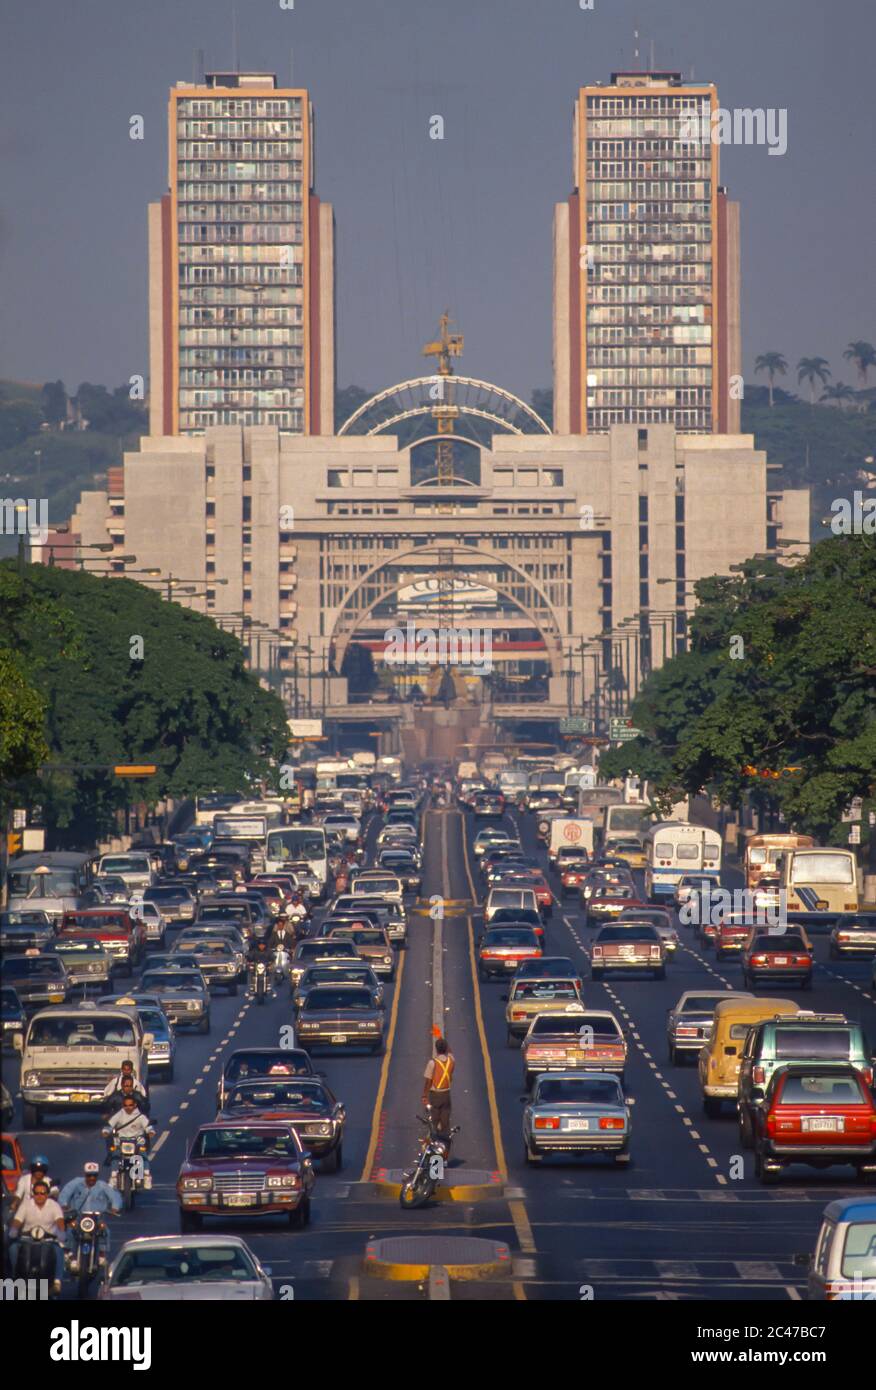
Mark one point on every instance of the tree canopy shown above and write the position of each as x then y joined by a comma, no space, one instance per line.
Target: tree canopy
781,673
188,704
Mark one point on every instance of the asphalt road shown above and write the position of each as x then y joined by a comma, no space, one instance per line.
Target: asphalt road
673,1224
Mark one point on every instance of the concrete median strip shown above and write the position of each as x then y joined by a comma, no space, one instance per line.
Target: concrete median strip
414,1258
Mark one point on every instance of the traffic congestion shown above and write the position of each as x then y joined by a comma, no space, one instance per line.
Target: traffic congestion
498,1002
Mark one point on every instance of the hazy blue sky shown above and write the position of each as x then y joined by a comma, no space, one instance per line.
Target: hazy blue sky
422,224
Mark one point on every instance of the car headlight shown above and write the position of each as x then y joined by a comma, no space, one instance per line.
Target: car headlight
32,1078
287,1180
193,1006
324,1128
387,960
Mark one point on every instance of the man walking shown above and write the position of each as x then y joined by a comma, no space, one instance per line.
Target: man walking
436,1087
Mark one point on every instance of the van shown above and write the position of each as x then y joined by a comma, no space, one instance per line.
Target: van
568,832
816,1039
69,1055
843,1265
721,1058
133,866
523,899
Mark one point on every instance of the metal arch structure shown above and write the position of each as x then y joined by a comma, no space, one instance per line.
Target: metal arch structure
519,589
479,401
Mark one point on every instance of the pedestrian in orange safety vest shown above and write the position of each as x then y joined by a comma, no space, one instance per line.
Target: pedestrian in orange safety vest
436,1087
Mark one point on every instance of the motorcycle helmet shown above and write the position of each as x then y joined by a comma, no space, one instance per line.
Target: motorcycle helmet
39,1161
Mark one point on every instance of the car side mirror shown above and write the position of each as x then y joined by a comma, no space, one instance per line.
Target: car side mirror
757,1095
18,1042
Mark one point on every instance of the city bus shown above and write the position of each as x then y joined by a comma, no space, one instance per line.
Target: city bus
293,844
50,883
674,848
593,803
762,853
207,805
626,821
820,883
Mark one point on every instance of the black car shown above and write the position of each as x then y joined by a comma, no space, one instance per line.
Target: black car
22,930
253,1063
37,979
305,1101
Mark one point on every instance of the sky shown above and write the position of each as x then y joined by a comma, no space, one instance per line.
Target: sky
462,223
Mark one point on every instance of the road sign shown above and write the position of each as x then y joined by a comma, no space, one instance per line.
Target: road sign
854,810
576,724
855,835
621,730
19,819
135,769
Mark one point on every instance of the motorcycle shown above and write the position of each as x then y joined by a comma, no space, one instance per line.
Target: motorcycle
129,1171
88,1257
260,981
420,1182
35,1257
281,964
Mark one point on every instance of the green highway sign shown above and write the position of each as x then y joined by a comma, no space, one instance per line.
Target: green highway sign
576,724
622,730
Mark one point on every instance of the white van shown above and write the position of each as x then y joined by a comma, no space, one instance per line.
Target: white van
134,868
518,898
570,832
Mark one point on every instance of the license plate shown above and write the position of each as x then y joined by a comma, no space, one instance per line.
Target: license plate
510,965
240,1199
339,1037
80,1097
821,904
780,960
578,1124
828,1124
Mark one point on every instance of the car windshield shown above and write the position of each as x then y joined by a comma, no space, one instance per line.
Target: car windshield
701,1003
517,914
781,943
57,883
821,1090
248,1141
263,1095
165,895
75,948
335,975
294,1062
205,1264
510,937
23,919
85,1030
324,997
545,989
584,1090
631,932
33,968
125,864
170,979
809,1043
361,938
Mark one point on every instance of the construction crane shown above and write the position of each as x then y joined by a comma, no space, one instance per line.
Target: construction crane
444,412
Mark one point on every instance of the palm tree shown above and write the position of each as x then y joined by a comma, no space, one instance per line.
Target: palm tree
837,394
813,369
864,356
773,363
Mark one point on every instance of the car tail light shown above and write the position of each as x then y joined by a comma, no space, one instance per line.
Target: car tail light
771,1122
608,1123
802,960
867,1075
758,1076
547,1122
850,907
518,1013
758,960
578,983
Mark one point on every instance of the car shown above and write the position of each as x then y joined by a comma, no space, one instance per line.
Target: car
184,996
340,1016
731,933
14,1162
527,998
690,884
86,962
175,902
608,901
122,935
488,805
405,865
510,897
13,1019
819,1116
501,949
372,944
227,932
208,1268
853,934
135,868
657,917
720,1058
152,918
21,930
217,960
573,866
778,958
305,1102
548,968
250,1063
519,917
525,877
817,1039
575,1114
319,952
391,915
341,973
631,852
490,836
843,1264
108,890
38,979
689,1021
590,1040
376,883
251,1168
626,946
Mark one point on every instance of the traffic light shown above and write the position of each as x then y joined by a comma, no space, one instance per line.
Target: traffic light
13,843
135,769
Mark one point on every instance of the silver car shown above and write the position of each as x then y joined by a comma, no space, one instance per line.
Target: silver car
689,1023
187,1268
571,1113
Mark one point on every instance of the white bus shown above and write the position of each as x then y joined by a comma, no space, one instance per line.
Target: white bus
626,821
207,805
297,844
675,848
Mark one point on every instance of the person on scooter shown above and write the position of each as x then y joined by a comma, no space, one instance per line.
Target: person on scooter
258,951
39,1169
131,1123
89,1194
116,1088
436,1087
39,1212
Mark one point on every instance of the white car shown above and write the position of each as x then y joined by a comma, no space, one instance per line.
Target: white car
519,898
187,1268
491,837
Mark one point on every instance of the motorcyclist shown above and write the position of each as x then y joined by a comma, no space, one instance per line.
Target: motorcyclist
116,1088
89,1194
39,1211
258,951
283,935
131,1123
39,1168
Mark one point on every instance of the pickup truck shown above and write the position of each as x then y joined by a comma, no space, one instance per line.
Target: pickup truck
69,1056
122,936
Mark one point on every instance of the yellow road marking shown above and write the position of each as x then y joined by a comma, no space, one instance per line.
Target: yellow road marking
384,1072
353,1294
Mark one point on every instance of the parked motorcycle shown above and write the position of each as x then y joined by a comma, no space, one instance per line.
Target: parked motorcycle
420,1182
87,1260
129,1171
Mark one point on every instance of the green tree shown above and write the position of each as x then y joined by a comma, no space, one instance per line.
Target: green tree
774,364
838,393
813,369
23,746
18,420
863,355
55,402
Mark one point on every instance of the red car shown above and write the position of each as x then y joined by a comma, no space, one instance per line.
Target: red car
121,935
606,904
777,958
501,949
815,1115
14,1162
245,1168
731,935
